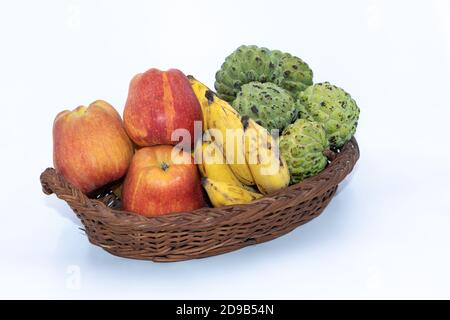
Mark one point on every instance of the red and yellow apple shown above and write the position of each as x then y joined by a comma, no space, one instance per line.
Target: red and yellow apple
162,179
90,146
158,103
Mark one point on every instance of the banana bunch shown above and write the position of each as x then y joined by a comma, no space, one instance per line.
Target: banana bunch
220,116
239,154
222,186
214,166
268,167
219,181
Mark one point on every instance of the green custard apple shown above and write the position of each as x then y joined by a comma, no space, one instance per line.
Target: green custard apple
291,72
269,105
303,145
244,65
333,108
252,63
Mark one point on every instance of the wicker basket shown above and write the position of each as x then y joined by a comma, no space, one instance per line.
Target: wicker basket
203,232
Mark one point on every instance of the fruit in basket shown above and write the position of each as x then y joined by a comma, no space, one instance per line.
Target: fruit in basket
215,167
224,194
304,145
204,97
90,146
333,108
158,103
219,119
291,72
251,63
244,65
225,129
268,167
269,105
162,179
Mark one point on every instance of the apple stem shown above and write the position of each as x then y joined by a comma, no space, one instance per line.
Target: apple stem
164,166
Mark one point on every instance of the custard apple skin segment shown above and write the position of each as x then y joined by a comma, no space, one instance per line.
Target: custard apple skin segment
333,108
252,63
302,145
269,105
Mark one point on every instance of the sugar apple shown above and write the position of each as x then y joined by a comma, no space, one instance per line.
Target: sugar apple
252,63
269,105
245,64
333,108
303,145
291,73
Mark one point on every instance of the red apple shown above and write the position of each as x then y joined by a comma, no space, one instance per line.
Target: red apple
90,146
158,103
162,179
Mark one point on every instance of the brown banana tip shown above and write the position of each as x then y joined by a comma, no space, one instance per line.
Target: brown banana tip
245,122
209,95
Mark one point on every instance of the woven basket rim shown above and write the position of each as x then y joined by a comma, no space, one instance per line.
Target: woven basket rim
333,174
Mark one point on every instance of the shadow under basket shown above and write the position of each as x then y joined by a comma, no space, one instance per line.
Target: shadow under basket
206,231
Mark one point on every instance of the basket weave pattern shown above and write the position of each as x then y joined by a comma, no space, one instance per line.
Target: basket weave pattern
206,231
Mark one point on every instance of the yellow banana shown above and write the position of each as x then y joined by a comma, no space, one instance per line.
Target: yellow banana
201,168
263,157
225,129
204,97
223,194
214,166
219,115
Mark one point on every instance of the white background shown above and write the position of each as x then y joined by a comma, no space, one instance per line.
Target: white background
385,235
